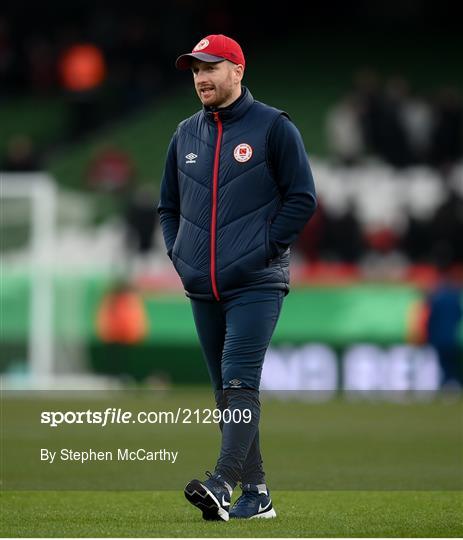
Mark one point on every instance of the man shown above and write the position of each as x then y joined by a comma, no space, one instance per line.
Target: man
237,190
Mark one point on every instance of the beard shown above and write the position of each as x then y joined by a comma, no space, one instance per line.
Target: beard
211,96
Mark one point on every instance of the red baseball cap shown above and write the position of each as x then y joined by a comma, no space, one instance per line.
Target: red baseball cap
213,48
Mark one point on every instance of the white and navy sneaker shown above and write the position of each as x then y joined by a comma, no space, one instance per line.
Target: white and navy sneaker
254,502
212,496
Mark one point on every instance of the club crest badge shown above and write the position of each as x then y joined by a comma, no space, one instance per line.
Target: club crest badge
242,152
201,45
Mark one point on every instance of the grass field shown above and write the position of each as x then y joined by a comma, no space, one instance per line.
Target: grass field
318,513
335,468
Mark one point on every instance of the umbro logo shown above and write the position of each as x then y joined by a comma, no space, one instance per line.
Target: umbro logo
235,383
191,158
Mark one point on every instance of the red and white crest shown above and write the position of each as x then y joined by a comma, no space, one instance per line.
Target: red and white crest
242,152
201,45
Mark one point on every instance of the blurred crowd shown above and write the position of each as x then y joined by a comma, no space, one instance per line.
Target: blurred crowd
391,122
395,133
107,62
132,50
103,61
382,217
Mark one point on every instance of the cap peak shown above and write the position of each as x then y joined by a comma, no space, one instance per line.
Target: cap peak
213,48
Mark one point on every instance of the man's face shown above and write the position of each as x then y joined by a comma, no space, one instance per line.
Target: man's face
216,83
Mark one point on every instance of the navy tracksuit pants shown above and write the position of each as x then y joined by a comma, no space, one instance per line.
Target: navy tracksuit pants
234,335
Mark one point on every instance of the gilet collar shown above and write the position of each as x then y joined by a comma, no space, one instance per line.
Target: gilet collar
234,111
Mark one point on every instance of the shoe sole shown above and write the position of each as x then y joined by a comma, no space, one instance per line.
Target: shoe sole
200,496
265,515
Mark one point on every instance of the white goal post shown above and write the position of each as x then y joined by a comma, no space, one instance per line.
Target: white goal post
40,190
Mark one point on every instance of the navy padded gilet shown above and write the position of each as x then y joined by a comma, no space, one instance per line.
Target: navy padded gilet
247,200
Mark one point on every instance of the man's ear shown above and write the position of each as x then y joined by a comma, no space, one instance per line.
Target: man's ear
239,72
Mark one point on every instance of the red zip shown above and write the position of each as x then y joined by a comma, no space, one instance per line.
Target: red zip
215,183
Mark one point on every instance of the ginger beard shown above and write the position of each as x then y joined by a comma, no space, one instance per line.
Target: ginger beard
217,84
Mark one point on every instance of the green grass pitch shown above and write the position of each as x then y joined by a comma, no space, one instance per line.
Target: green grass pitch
168,514
335,469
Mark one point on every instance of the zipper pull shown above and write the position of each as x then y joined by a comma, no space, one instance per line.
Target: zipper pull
216,116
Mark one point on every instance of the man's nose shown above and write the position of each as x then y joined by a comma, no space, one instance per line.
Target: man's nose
201,76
